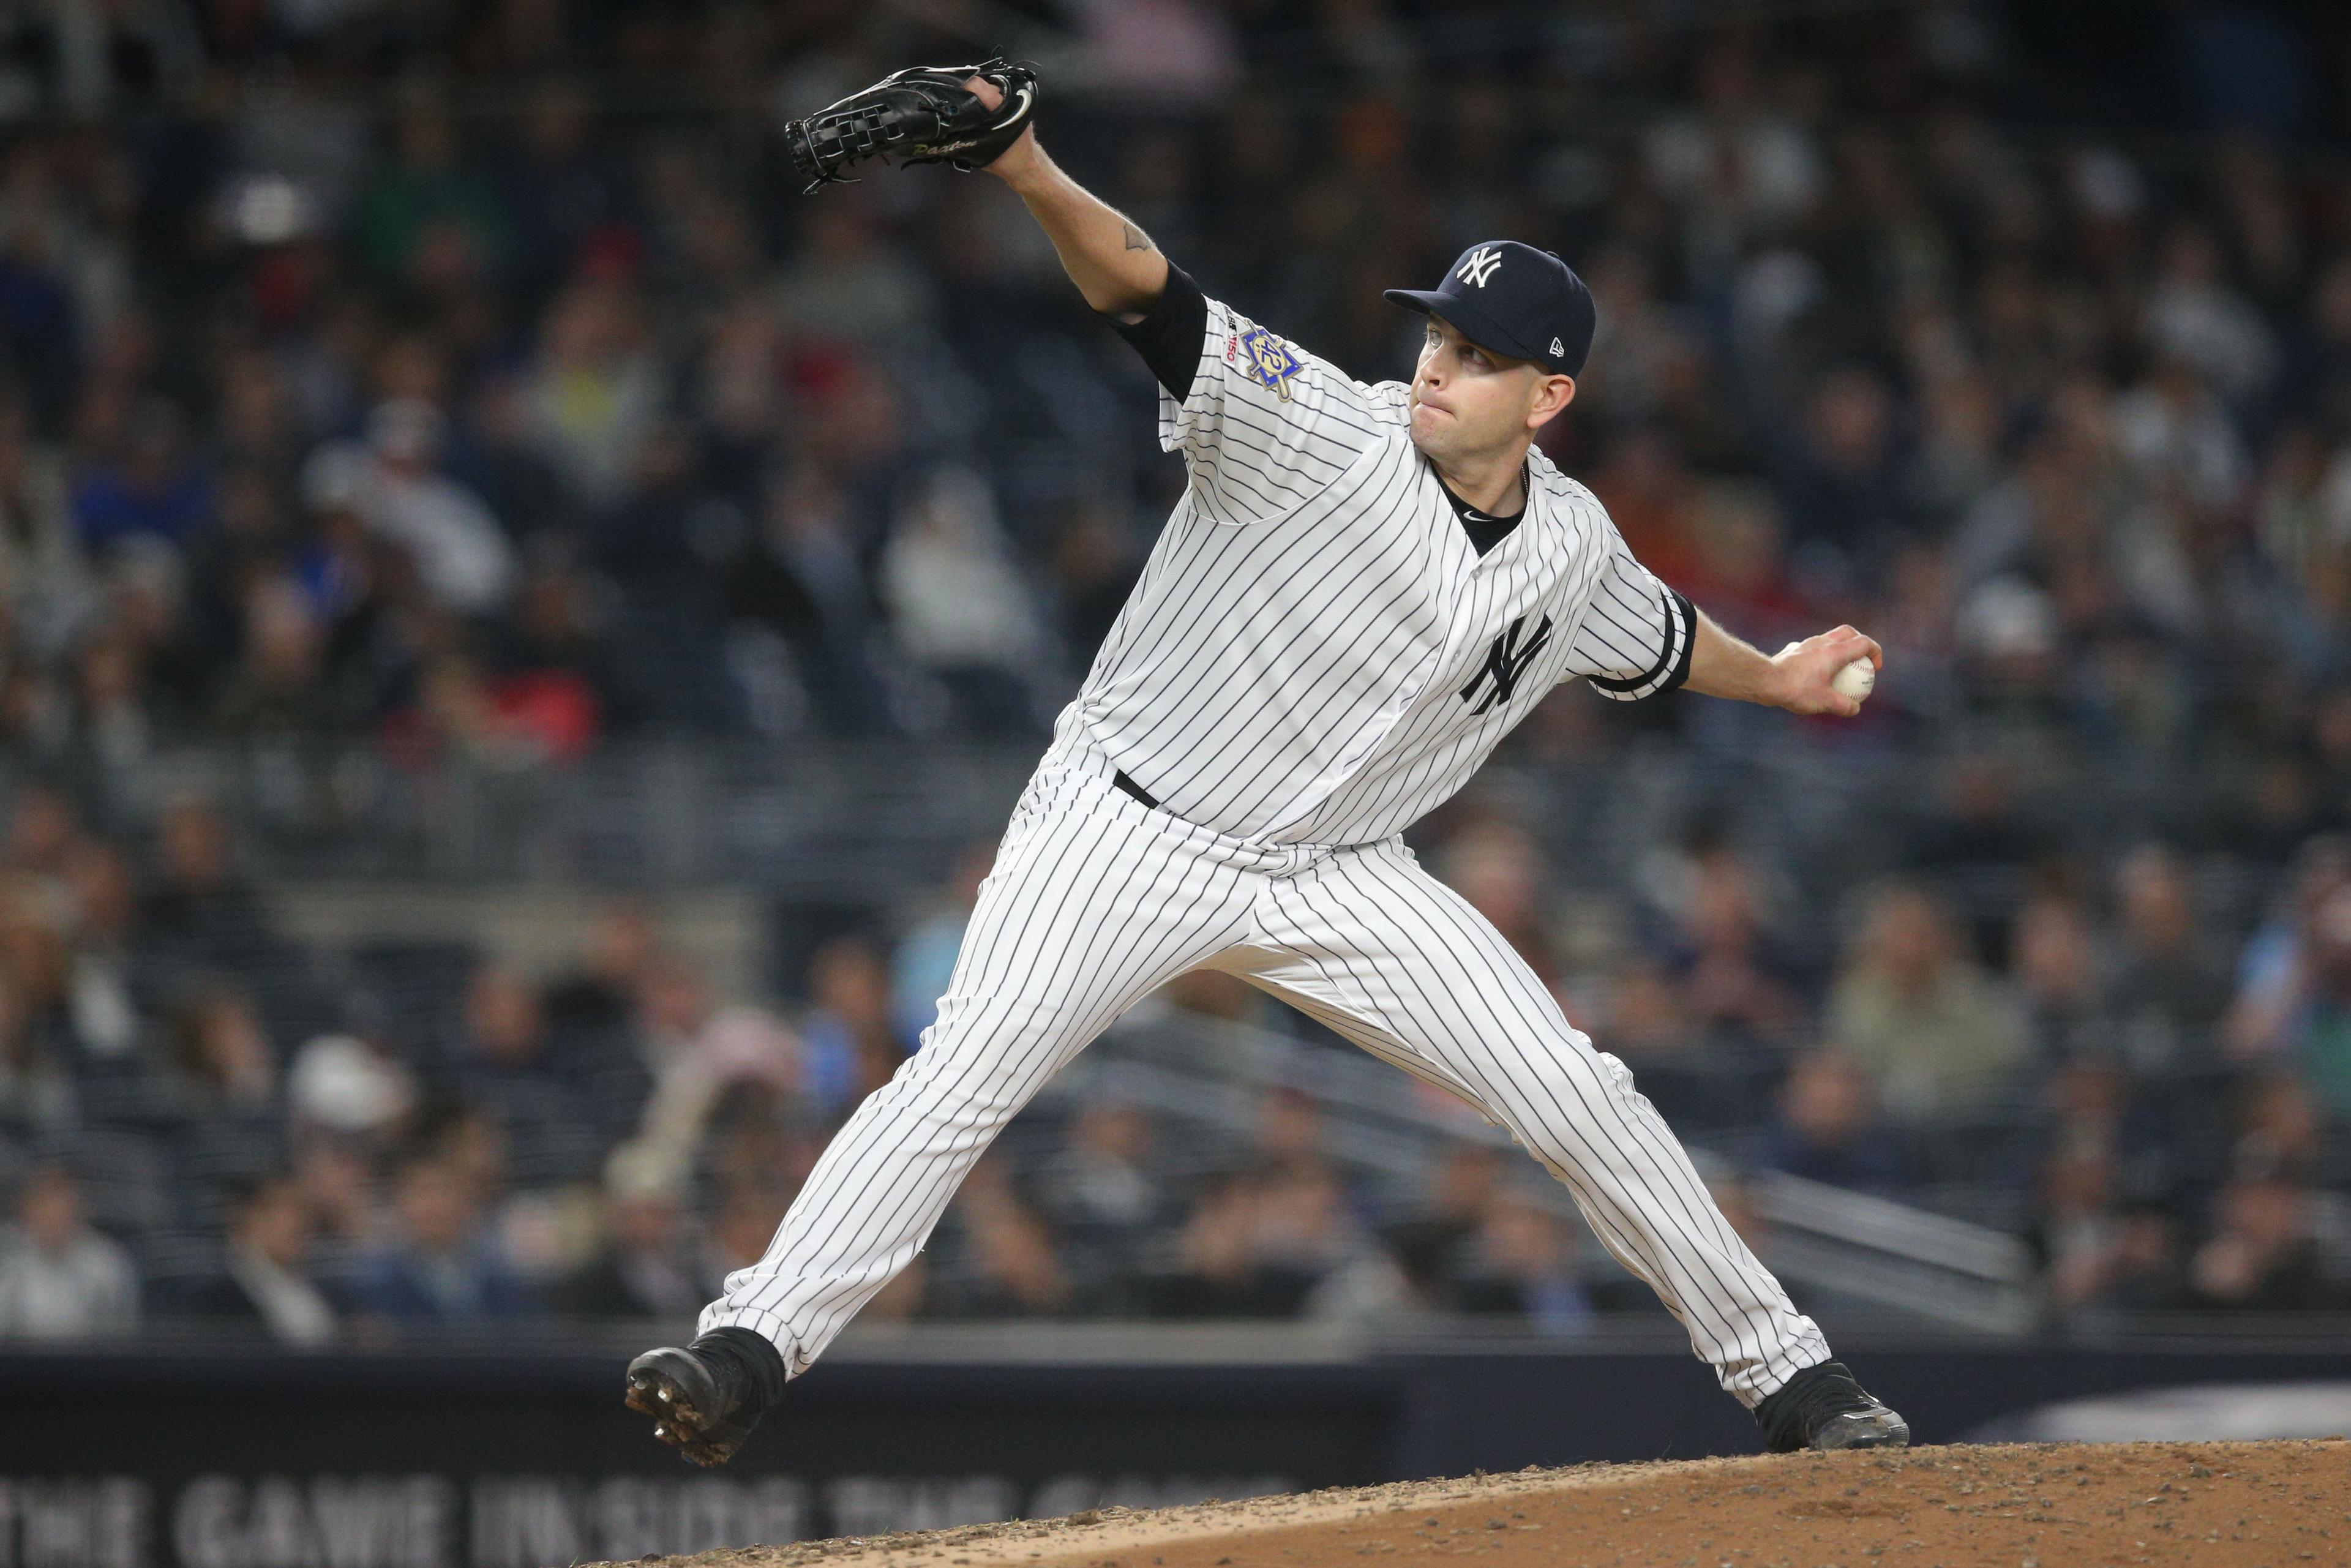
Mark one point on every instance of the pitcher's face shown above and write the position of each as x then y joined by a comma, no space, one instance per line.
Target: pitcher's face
1467,400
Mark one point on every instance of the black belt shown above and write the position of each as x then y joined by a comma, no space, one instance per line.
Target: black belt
1118,778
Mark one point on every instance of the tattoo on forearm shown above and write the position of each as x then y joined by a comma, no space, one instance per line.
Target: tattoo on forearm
1137,240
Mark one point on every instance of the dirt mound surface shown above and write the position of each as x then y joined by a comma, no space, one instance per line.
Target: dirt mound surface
2218,1504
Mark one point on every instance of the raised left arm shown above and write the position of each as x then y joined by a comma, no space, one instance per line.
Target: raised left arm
1796,678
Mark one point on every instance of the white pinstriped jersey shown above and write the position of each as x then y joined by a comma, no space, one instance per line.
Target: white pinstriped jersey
1316,652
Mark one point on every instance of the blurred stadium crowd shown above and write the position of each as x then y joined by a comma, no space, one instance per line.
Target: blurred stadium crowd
465,383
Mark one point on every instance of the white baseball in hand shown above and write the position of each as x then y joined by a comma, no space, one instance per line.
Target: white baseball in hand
1856,680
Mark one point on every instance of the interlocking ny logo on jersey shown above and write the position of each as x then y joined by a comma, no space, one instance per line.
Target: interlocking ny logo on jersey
1505,662
1481,264
1268,360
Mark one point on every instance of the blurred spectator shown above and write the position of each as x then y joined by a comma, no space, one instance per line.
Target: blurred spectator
759,1137
2263,1253
853,1047
2138,1269
846,283
1844,485
559,188
2106,1174
282,688
395,485
623,946
200,913
266,1285
646,1266
1160,52
1741,574
1829,1128
506,1065
696,1054
1307,1225
338,1179
2079,1229
2197,316
1217,1271
1104,1195
149,486
1009,1263
1291,1134
1520,1263
594,392
34,1089
41,1050
439,1266
2304,1016
220,1055
1912,1009
2053,959
558,640
504,724
2270,965
1429,1241
1496,866
44,583
43,832
103,998
1637,1010
2280,1122
58,1278
430,209
2170,989
923,961
957,605
1976,831
1278,1241
1732,978
348,1087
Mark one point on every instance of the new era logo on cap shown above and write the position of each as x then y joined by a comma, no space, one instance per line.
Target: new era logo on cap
1480,264
1514,301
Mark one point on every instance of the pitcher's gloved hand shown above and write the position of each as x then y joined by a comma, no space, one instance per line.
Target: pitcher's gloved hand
922,115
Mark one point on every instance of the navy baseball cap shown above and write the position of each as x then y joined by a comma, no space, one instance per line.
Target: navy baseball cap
1516,300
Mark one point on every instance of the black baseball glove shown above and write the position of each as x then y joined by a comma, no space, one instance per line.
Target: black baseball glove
924,115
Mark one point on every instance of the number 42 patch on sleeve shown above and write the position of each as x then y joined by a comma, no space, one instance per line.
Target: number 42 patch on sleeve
1268,360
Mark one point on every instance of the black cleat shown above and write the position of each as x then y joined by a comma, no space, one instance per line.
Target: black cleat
706,1398
1823,1408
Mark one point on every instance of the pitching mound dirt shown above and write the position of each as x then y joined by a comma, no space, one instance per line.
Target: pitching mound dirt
2217,1505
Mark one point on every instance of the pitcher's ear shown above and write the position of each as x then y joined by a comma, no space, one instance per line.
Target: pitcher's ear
1557,392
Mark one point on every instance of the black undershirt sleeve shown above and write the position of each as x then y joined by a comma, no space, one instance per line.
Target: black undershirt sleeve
1171,334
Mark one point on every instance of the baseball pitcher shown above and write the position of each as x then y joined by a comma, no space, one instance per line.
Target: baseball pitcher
1364,588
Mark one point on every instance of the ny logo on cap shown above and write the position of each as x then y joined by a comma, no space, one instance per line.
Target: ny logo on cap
1481,264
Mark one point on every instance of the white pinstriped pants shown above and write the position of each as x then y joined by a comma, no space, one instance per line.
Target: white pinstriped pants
1097,900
